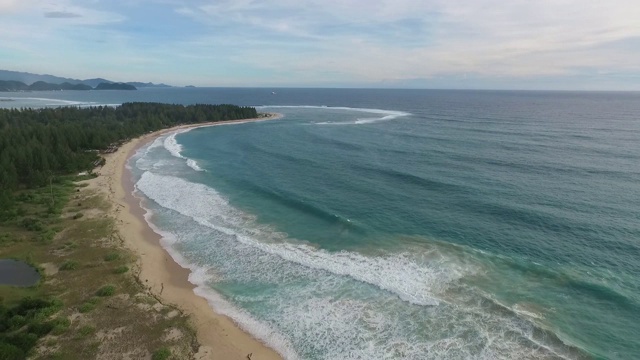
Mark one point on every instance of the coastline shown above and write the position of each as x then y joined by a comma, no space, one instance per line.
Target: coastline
218,336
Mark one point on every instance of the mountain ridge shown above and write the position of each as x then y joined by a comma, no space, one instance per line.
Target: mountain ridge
12,86
31,78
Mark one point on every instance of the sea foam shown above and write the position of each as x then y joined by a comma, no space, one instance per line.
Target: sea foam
302,302
175,148
399,274
386,114
172,145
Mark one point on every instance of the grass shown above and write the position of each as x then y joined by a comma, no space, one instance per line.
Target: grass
121,269
69,265
89,305
86,331
25,322
161,354
92,268
107,290
112,256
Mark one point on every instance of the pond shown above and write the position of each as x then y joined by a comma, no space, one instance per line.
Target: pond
17,273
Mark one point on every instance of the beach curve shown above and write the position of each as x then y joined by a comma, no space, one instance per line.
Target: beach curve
218,335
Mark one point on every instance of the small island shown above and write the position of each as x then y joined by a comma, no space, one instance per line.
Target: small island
115,86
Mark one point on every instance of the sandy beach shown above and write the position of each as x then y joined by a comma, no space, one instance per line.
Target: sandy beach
219,337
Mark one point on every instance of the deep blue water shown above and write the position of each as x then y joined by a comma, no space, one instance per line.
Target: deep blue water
414,224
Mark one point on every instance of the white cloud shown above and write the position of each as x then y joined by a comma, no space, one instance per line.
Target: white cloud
487,37
344,40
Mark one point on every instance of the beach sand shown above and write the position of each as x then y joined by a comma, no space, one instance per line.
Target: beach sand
219,336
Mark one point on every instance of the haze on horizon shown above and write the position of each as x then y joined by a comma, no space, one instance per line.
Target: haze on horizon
461,44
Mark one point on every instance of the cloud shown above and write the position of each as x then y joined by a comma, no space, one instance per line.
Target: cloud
61,15
338,41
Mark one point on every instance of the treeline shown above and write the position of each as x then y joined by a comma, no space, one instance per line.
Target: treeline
9,85
38,144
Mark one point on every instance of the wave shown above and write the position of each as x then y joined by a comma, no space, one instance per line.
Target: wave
386,114
199,277
399,274
172,145
194,165
315,316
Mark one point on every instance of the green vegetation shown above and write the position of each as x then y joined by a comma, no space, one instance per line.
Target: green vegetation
115,86
112,256
107,290
37,146
83,259
23,324
121,269
89,293
86,330
161,354
69,265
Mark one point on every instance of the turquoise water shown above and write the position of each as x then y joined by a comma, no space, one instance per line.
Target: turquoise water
399,224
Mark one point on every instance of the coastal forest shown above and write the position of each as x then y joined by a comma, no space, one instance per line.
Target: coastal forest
37,145
43,223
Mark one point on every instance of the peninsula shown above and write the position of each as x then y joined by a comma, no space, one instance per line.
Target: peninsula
107,288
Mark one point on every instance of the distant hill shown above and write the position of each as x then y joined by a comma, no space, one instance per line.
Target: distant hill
29,78
12,85
44,86
141,84
97,81
115,86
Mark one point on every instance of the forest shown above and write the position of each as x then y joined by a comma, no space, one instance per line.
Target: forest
37,145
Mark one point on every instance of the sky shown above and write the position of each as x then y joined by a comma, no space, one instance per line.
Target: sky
459,44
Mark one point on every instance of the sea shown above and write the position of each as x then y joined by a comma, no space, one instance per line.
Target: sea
404,224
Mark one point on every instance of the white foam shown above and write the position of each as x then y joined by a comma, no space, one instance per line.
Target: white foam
258,329
172,145
387,114
199,276
140,157
194,165
175,148
309,303
401,274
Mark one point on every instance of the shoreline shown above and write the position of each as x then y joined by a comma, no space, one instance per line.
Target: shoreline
219,337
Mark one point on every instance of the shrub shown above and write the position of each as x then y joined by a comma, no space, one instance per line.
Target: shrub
24,341
107,290
16,321
10,352
31,224
69,265
41,328
77,216
121,269
46,235
112,256
86,330
86,307
60,325
161,354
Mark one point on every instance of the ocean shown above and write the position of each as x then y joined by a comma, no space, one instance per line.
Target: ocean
405,224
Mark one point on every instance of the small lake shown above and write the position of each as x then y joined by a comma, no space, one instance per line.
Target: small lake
17,273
